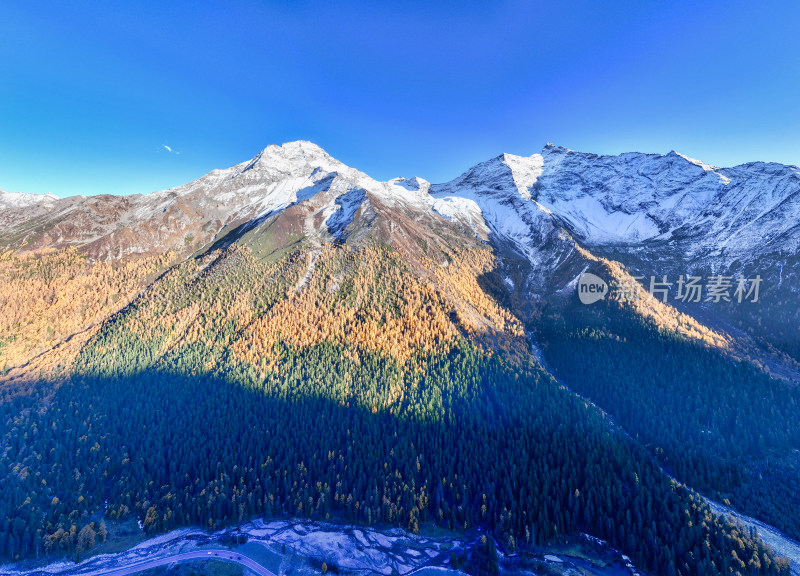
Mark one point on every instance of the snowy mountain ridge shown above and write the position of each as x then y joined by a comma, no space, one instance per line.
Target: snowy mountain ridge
669,200
21,200
632,198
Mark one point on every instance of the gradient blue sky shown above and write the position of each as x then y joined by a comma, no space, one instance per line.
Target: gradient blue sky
92,92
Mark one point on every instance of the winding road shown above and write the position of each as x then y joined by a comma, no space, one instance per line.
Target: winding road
214,554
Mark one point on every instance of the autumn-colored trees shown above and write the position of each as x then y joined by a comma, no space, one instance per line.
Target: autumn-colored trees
47,297
335,383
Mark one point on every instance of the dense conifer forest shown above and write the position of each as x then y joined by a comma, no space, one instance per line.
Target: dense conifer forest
335,384
722,426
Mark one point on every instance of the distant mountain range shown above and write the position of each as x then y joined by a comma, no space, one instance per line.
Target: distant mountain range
292,285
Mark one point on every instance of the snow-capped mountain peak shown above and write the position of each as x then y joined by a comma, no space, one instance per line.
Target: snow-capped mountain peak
525,171
415,183
497,176
21,200
706,167
623,200
290,156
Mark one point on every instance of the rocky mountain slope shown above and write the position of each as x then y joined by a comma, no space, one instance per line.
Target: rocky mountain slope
668,209
11,200
296,291
661,211
548,218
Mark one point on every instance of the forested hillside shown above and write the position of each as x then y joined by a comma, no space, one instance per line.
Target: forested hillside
54,295
221,394
289,337
722,426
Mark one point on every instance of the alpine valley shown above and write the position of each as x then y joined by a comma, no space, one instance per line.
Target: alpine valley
293,340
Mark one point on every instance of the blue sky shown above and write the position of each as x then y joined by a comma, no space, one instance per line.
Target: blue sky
92,93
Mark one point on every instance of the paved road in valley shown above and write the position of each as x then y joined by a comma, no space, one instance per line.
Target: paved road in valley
223,555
